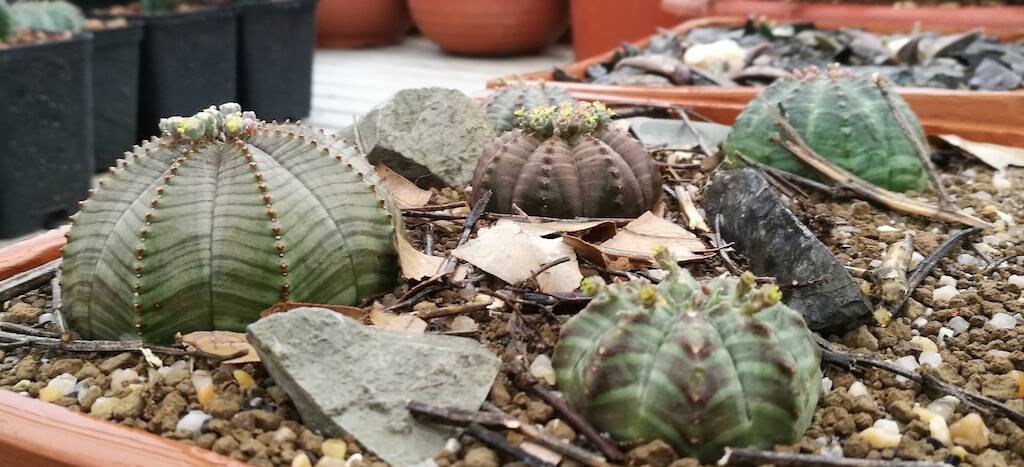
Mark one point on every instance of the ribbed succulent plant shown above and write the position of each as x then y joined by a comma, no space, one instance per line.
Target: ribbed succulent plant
565,161
219,218
48,16
699,366
844,118
505,101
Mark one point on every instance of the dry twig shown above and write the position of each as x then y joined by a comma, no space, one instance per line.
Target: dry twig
28,280
892,274
929,263
575,420
754,457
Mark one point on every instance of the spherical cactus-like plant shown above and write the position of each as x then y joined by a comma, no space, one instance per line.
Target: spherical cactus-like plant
565,161
844,118
699,366
221,217
502,105
48,16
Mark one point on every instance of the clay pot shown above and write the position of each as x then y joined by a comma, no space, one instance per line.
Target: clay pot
349,24
491,27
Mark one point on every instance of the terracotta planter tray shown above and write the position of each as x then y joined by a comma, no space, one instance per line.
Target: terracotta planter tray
987,116
36,433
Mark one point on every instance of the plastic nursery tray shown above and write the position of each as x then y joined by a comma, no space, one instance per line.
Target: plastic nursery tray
988,116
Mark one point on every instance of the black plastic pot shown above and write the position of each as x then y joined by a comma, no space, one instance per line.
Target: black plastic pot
115,85
45,133
275,66
189,62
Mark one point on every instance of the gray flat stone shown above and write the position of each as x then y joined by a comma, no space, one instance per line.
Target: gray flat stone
778,244
346,377
432,136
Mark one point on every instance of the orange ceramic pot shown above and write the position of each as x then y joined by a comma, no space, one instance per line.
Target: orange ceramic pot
346,24
491,27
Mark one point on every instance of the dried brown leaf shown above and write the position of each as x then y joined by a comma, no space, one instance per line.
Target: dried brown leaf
406,193
397,322
221,343
414,263
648,232
996,156
506,251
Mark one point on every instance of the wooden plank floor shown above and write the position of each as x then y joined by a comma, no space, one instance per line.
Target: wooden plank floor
347,83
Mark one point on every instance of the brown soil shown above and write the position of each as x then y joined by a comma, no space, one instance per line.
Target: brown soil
26,37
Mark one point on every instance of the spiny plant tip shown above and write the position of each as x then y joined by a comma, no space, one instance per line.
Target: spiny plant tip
227,121
565,118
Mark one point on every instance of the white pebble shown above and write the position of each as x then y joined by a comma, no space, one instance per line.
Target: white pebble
965,259
875,263
907,363
883,434
64,383
103,407
21,385
887,228
858,389
1002,321
924,343
981,195
944,406
452,445
969,173
991,240
826,385
946,280
848,229
944,333
201,378
958,324
193,422
1017,280
915,260
45,318
919,322
354,460
939,430
541,369
944,293
928,311
1019,317
1000,181
120,376
930,358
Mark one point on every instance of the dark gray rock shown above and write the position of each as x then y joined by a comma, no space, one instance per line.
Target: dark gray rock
346,377
432,136
778,244
991,75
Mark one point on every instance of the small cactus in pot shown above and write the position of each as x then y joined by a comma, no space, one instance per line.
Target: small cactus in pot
52,16
7,25
699,366
219,218
566,161
501,106
844,118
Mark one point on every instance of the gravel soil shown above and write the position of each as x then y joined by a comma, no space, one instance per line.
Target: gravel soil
253,420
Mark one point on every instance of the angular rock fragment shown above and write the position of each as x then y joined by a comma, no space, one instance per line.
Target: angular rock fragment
431,136
778,244
346,377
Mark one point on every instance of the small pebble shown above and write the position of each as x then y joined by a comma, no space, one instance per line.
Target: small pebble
875,264
887,228
334,447
244,379
541,369
193,422
205,394
883,434
58,387
924,343
453,446
944,406
938,429
919,322
970,432
1016,280
201,378
1002,321
908,363
944,293
354,460
301,460
915,260
858,389
1000,181
21,385
119,377
965,259
103,407
930,358
826,385
946,280
924,414
958,324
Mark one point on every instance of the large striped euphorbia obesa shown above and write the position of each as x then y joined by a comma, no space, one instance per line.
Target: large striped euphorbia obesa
699,366
219,218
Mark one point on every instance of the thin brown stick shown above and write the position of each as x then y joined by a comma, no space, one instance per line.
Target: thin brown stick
892,274
437,207
467,229
549,265
754,457
995,264
830,353
57,304
575,420
428,239
27,330
548,440
11,340
28,280
452,310
499,443
694,221
453,416
729,263
437,216
929,262
864,190
919,147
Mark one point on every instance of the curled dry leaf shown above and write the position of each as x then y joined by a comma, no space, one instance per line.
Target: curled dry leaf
996,156
398,322
511,254
221,343
406,193
414,263
632,246
606,229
